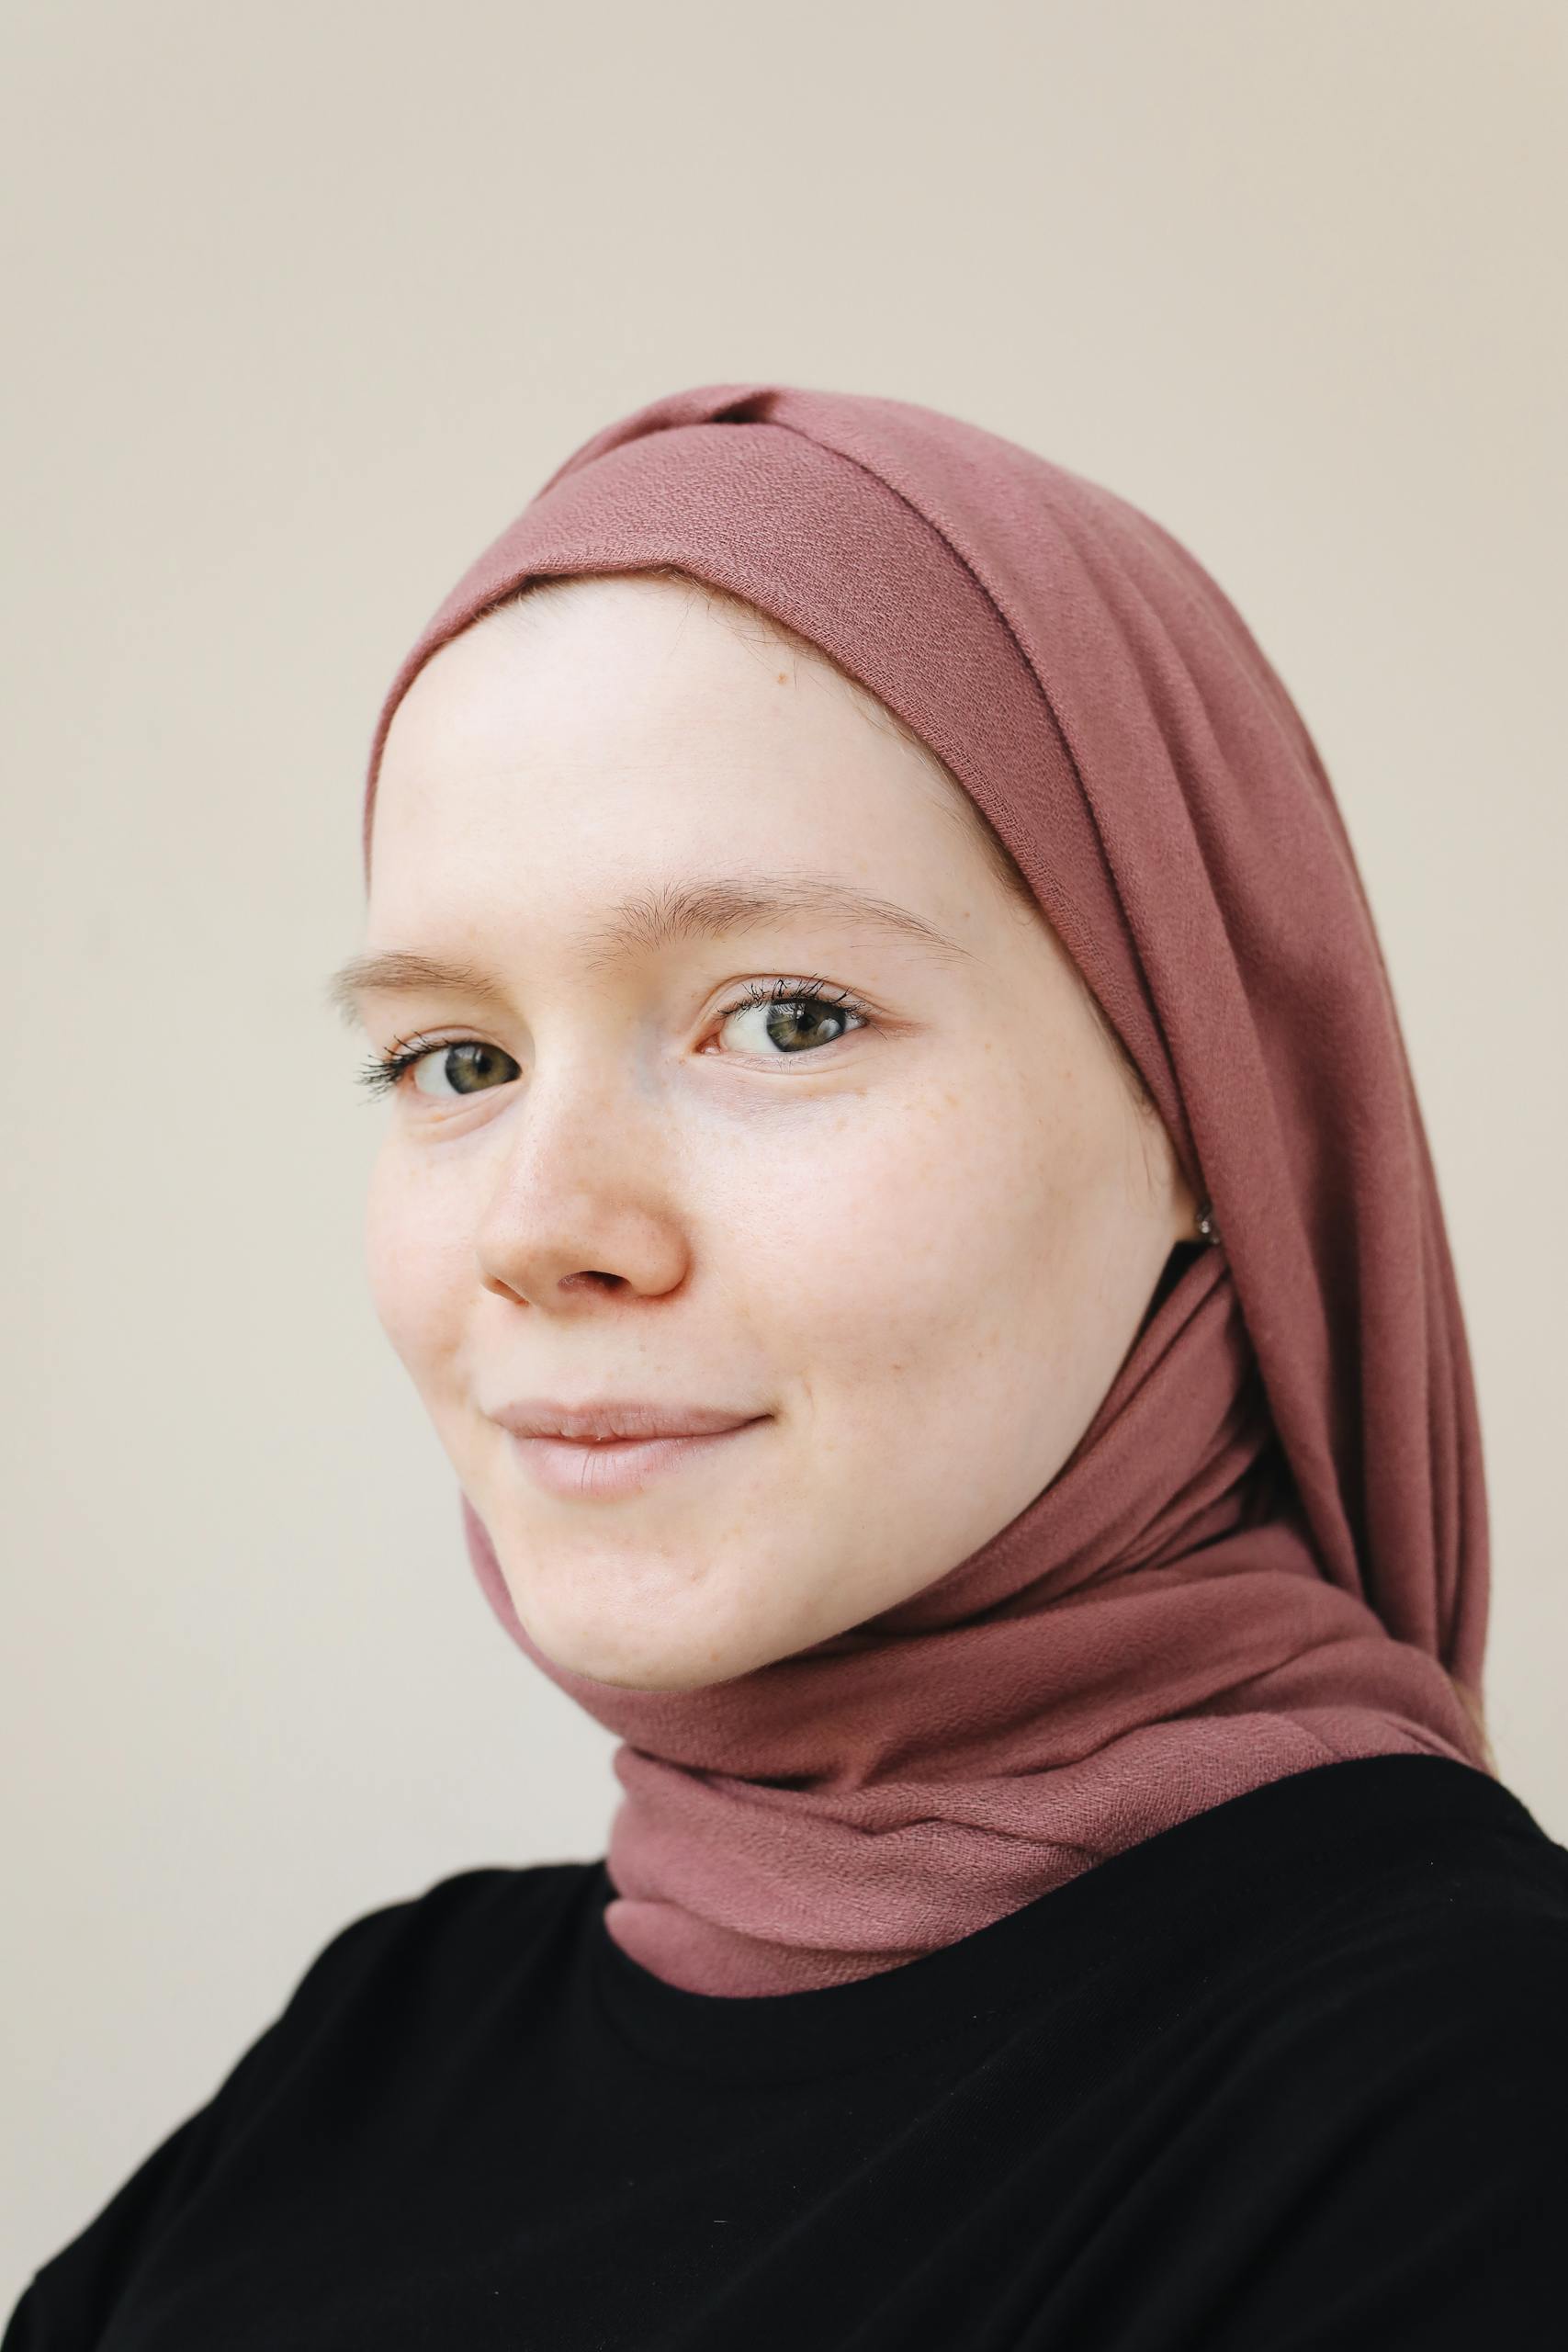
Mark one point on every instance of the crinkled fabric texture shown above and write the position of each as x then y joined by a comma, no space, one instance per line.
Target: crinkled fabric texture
1270,1548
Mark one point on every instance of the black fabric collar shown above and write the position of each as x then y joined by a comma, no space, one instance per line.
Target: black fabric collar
1245,1872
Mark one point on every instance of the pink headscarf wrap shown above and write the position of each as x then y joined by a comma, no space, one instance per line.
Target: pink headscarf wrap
1268,1550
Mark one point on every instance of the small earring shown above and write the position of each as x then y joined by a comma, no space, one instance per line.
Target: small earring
1206,1225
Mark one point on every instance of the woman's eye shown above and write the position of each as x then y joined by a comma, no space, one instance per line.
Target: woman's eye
467,1065
780,1017
774,1020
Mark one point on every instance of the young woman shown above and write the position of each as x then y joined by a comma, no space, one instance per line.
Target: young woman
905,1202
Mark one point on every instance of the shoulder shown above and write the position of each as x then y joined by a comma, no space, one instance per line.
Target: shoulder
1418,1939
1457,2006
454,1909
433,1944
1399,2065
420,1959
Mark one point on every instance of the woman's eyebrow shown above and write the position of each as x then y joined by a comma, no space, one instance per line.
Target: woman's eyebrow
643,923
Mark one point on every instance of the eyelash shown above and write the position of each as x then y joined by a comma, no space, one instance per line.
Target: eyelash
383,1072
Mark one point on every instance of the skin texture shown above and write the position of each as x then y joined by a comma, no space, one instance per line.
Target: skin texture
921,1248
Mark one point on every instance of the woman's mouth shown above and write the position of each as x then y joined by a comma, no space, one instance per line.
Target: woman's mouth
599,1469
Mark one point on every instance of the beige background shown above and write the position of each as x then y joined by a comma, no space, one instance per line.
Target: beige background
304,302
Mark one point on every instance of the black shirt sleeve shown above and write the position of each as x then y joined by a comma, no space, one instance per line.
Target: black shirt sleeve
68,2301
1411,2174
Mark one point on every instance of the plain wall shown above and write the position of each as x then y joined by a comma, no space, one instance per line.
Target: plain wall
303,304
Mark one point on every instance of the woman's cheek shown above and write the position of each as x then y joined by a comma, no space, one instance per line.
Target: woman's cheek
415,1257
894,1242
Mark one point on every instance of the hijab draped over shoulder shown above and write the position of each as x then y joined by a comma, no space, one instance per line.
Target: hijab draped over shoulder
1268,1550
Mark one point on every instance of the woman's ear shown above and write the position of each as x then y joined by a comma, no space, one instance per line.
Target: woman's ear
1180,1258
1165,1170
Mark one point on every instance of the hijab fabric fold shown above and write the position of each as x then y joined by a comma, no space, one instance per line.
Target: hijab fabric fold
1268,1550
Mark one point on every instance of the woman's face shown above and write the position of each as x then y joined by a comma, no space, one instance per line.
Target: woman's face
906,1230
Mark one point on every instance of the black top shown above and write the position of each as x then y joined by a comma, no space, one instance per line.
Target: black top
1290,2076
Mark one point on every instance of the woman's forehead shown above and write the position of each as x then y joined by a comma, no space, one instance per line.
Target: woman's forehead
544,755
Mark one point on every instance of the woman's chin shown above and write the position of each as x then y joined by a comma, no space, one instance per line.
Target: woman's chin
657,1657
658,1669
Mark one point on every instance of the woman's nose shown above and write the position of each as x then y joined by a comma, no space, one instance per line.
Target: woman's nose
583,1201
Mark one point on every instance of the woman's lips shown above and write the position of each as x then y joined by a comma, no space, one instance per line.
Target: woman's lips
597,1469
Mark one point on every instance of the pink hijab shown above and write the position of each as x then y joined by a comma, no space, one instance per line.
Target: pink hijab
1269,1549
